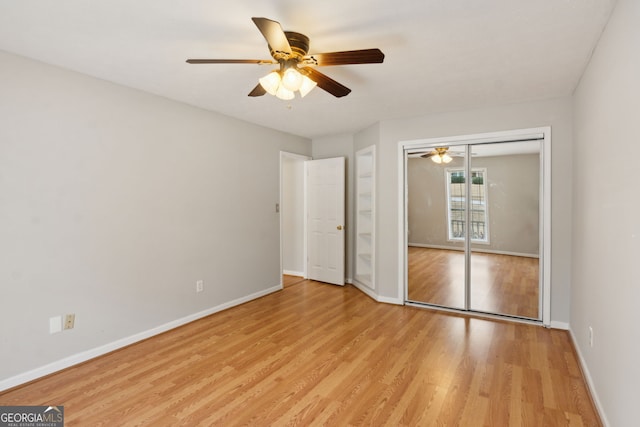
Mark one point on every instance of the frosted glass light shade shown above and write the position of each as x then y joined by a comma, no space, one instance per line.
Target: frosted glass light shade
270,82
446,158
436,159
292,79
284,93
284,85
307,86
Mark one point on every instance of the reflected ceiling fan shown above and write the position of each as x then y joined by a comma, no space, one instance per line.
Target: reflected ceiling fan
439,155
290,50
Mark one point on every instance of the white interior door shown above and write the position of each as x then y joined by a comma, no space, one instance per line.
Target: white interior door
325,220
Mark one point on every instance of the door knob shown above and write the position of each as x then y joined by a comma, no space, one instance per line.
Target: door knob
339,227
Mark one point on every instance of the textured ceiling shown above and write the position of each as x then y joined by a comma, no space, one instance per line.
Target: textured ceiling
441,55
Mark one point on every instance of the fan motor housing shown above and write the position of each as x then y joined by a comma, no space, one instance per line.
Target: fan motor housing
299,46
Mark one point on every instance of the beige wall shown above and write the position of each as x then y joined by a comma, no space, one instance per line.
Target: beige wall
113,202
555,113
605,291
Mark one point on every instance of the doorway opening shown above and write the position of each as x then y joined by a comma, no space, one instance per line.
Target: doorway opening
291,207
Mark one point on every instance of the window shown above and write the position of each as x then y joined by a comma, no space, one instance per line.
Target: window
456,203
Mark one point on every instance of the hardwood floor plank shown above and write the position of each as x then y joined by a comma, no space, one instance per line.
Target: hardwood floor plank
316,354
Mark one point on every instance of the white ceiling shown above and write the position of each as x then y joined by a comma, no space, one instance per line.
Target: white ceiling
441,55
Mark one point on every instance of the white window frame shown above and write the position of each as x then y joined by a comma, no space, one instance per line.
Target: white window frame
447,180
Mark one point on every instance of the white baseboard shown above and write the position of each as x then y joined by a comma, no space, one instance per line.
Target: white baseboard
108,348
559,325
387,300
293,273
369,292
366,290
587,376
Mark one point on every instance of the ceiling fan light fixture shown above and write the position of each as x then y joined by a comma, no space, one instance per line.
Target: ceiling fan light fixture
307,86
436,159
284,93
446,158
290,50
292,79
284,85
271,82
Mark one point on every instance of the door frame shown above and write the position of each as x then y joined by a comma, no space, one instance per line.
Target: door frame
544,209
301,158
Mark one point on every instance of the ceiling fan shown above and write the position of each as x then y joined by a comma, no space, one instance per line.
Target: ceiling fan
296,72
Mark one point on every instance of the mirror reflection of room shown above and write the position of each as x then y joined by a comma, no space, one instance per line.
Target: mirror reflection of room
502,225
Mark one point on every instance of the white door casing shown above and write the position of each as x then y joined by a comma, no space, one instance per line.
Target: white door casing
325,188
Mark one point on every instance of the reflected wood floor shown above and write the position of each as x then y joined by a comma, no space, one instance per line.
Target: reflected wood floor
500,284
317,354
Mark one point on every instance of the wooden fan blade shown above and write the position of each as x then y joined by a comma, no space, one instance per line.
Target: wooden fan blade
364,56
325,82
258,91
273,33
431,154
231,61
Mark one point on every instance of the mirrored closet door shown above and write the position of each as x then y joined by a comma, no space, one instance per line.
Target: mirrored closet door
436,263
473,227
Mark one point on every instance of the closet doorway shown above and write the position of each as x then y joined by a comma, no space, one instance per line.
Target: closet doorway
476,221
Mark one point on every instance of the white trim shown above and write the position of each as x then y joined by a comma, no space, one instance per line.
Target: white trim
545,212
481,138
371,294
124,342
491,137
559,325
403,225
589,380
484,251
293,273
388,300
366,289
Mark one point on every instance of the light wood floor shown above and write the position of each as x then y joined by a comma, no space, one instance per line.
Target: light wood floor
288,280
317,354
501,284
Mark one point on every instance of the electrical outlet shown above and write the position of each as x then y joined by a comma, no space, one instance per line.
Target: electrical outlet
200,286
590,336
69,321
55,324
